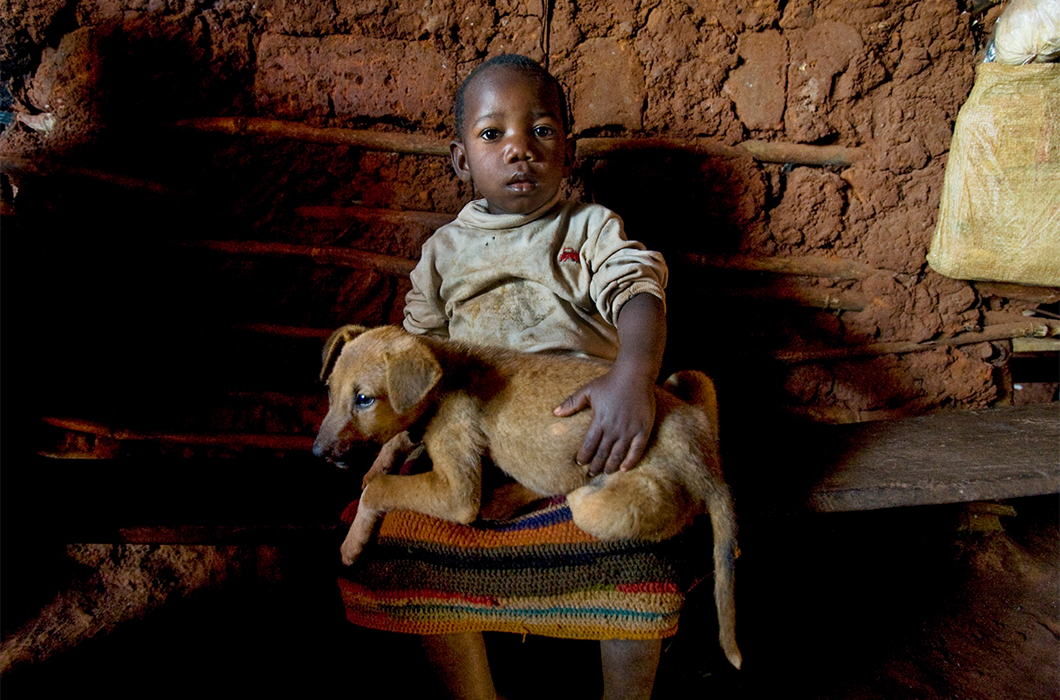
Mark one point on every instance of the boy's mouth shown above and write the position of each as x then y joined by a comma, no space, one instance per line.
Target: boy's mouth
521,182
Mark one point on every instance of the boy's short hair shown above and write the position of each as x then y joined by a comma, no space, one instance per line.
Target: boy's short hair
517,62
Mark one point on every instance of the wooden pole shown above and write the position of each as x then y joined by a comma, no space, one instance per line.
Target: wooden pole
600,147
404,217
784,292
1019,292
299,443
833,268
588,147
400,267
803,153
10,164
1038,328
408,144
322,255
809,266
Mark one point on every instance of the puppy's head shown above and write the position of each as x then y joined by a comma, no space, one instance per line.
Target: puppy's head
379,382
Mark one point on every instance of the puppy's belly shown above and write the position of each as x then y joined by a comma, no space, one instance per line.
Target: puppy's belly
544,459
526,439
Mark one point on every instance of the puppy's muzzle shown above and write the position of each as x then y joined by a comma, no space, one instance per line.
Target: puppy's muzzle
326,449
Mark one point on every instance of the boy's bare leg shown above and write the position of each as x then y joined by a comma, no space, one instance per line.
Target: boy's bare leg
629,667
459,661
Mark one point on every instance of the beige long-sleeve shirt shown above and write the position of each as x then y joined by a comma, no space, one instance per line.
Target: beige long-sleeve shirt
551,280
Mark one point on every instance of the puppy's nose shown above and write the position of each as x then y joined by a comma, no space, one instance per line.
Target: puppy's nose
319,450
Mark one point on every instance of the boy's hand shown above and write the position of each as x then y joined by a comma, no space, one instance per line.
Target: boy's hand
623,400
623,419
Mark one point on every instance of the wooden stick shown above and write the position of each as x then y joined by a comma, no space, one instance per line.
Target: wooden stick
600,147
809,266
589,147
409,144
834,268
1038,328
431,219
301,443
400,267
10,164
839,415
802,296
803,153
284,331
1019,292
340,257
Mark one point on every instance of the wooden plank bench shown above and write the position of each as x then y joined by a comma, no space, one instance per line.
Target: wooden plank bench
944,458
947,457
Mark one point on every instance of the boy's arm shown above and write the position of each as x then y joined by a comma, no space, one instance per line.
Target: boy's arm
623,400
424,309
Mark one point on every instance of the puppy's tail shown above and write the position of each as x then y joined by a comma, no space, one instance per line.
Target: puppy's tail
696,388
723,522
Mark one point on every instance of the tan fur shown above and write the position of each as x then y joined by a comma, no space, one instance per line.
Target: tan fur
470,401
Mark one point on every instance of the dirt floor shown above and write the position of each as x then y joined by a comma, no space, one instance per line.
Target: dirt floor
883,605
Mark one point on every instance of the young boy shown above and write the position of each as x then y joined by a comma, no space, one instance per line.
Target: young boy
522,268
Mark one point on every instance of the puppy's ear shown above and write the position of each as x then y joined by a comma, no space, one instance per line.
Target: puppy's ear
411,372
333,347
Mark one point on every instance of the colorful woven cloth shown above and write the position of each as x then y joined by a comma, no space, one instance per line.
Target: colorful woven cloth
534,574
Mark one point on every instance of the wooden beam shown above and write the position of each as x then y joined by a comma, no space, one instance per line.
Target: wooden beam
1019,292
1036,328
809,266
394,142
299,443
23,166
947,457
322,255
402,217
588,147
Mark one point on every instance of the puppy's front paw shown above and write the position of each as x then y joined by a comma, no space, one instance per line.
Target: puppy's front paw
349,554
390,456
359,533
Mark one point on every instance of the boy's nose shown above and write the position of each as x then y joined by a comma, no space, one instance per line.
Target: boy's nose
519,148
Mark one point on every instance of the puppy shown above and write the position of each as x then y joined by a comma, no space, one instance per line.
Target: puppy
468,401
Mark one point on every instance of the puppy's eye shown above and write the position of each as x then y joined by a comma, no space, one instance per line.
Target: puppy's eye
363,401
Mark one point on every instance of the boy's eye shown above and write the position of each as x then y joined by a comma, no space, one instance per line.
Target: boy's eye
491,134
544,132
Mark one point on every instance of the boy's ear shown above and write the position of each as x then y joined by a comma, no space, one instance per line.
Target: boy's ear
459,158
568,156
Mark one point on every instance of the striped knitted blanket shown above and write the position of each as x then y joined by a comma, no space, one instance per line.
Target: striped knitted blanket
534,574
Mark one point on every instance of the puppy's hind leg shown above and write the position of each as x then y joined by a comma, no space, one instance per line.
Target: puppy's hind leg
640,503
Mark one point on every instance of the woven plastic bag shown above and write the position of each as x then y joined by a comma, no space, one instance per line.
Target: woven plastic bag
1028,31
999,214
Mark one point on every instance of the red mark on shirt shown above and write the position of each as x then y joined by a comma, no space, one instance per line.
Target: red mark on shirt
569,254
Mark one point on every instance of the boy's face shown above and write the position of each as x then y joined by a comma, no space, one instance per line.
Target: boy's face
513,147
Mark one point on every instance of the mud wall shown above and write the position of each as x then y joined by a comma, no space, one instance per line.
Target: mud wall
92,90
